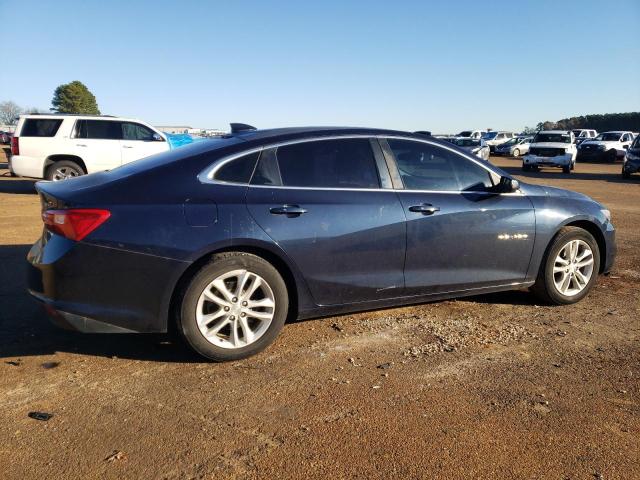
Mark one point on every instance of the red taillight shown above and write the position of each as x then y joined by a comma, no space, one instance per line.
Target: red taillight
74,223
15,146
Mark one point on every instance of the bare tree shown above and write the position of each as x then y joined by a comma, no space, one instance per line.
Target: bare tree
9,113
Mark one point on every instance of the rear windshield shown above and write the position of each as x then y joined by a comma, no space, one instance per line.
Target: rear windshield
609,137
40,127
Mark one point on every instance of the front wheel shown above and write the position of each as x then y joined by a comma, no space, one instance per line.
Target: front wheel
612,155
234,307
566,169
625,174
570,267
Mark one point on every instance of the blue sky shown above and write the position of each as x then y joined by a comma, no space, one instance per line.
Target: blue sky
440,66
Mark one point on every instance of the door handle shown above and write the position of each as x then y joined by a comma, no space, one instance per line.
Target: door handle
288,210
425,209
80,145
126,146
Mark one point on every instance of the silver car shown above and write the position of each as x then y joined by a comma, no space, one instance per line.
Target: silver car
514,147
475,146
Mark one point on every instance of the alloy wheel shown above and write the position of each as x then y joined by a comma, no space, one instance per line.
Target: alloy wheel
62,173
573,268
235,309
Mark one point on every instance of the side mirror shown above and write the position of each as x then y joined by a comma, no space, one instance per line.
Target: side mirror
508,185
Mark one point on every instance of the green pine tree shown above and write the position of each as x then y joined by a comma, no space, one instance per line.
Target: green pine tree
74,97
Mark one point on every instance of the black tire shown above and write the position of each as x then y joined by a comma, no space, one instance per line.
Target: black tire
526,168
220,264
545,288
612,156
516,153
626,175
566,169
573,165
72,167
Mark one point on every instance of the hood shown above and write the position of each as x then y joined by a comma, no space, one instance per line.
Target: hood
562,193
599,142
550,145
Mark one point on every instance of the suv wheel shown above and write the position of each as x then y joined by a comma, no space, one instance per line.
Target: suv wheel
625,174
612,155
566,169
234,307
569,268
63,169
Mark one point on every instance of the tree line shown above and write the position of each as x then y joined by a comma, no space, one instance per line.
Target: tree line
600,122
73,97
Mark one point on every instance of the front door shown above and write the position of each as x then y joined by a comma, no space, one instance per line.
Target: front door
460,236
139,141
322,202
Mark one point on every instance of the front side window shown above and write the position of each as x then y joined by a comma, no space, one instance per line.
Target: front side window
423,166
135,131
99,129
40,127
340,163
238,170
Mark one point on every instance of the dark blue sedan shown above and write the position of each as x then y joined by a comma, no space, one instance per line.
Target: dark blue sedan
228,238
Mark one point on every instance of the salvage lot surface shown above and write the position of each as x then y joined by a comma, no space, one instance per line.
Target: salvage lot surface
494,386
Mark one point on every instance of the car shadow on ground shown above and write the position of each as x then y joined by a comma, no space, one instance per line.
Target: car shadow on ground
16,186
25,329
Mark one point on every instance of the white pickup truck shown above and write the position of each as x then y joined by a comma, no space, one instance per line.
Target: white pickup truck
551,148
59,146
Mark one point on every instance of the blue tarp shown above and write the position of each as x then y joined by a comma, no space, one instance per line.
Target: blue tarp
179,139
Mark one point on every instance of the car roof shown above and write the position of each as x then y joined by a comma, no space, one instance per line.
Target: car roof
302,132
619,132
78,116
555,131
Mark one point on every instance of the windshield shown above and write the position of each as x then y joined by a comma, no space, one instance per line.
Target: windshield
577,132
552,138
466,142
511,141
465,133
636,142
489,135
608,137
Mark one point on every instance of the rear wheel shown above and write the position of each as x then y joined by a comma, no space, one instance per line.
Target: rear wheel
516,153
566,169
625,174
63,169
234,307
570,267
612,156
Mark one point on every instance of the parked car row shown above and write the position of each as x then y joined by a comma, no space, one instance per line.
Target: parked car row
631,163
5,137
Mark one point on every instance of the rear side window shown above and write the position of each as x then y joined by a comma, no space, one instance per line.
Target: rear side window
40,127
341,163
99,129
238,170
423,166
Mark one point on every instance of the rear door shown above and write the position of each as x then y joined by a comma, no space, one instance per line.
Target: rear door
139,141
329,204
97,142
460,236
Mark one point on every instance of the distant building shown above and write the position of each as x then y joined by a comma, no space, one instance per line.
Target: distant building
170,129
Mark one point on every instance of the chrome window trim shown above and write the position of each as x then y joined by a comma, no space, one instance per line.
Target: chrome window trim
206,176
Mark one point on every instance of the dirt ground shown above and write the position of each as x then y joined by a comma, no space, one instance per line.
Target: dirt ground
493,386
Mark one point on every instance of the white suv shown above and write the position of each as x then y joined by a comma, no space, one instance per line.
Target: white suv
60,146
551,148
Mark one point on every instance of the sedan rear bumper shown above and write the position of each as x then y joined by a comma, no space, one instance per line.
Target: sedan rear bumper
96,289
